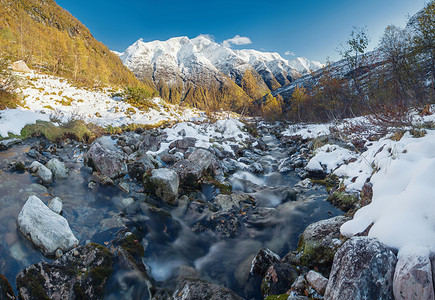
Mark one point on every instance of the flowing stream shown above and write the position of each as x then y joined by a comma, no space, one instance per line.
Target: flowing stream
173,250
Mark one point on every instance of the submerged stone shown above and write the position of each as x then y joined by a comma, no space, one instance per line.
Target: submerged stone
42,172
58,168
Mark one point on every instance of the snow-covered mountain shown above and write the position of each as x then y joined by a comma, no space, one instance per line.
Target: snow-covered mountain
305,66
202,62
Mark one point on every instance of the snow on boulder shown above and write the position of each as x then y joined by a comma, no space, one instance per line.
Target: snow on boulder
42,172
413,275
164,183
331,156
314,166
20,66
58,168
363,268
45,228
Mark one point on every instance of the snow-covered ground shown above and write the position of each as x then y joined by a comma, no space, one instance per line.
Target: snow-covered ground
48,97
402,172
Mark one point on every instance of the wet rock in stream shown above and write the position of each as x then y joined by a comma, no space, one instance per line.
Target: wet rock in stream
106,160
45,228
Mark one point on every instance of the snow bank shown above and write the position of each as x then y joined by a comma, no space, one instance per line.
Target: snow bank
308,131
330,156
14,120
403,207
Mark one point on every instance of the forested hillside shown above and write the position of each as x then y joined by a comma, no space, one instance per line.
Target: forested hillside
50,39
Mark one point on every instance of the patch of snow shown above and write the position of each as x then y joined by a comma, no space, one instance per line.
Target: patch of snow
308,131
14,120
402,208
56,97
330,156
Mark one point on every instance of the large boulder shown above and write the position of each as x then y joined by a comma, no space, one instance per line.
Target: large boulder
107,162
58,168
200,289
164,183
79,274
319,243
46,229
42,172
363,268
413,275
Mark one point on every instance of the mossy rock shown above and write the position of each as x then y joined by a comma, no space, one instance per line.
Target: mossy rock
132,246
79,274
76,130
319,242
344,201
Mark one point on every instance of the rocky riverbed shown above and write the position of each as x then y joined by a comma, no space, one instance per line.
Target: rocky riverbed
193,211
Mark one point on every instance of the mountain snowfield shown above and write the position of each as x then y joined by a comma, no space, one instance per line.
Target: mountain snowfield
179,58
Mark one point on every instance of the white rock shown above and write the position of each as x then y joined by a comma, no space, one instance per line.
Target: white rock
46,229
42,172
58,168
55,205
20,66
317,281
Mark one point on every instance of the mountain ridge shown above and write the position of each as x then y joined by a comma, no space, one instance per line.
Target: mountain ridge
182,63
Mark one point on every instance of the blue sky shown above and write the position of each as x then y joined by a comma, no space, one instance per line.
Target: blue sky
307,28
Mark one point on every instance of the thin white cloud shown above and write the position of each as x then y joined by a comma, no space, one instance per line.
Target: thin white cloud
237,40
290,53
